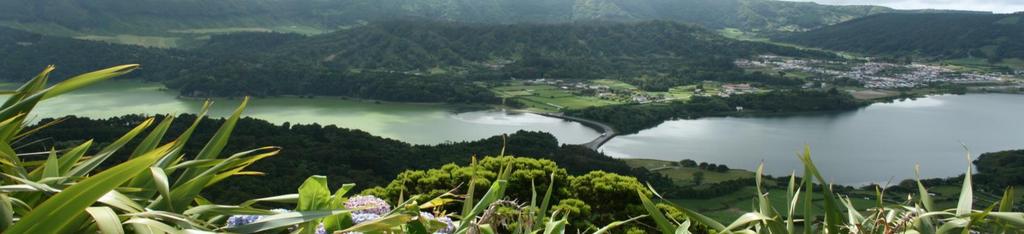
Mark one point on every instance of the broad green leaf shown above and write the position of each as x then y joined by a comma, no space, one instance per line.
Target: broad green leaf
58,211
106,219
313,195
342,221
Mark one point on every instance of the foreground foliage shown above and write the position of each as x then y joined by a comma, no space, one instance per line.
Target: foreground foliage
914,215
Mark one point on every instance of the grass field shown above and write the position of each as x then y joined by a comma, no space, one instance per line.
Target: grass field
614,84
147,41
285,29
684,175
732,206
548,98
982,65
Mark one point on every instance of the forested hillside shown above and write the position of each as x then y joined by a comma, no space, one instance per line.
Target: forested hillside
949,35
161,17
409,61
345,155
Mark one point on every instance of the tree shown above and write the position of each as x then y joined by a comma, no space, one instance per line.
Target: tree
688,163
722,168
698,178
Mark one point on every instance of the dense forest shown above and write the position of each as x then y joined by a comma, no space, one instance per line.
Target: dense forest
344,155
949,35
161,17
1001,169
633,118
408,61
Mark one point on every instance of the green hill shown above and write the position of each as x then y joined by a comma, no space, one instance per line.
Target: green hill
176,17
946,35
413,61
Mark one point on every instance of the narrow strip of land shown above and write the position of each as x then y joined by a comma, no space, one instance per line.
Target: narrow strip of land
607,132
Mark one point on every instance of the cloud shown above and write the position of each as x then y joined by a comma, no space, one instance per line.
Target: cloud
998,6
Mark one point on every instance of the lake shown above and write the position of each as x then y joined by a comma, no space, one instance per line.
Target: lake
413,123
873,144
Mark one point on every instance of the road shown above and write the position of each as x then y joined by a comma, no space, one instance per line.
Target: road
607,132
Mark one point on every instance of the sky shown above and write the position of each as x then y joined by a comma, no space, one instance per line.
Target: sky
998,6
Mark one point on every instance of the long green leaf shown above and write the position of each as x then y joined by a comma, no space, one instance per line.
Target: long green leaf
283,220
68,160
162,184
467,204
652,210
6,212
926,198
58,211
546,201
103,155
88,79
155,136
965,204
833,215
216,144
1006,203
496,191
616,224
380,225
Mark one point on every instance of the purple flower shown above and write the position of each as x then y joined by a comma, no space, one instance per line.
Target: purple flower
449,228
367,205
364,217
320,229
239,220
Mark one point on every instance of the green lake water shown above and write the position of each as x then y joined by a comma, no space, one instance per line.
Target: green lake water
873,144
413,123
